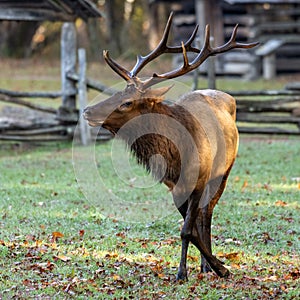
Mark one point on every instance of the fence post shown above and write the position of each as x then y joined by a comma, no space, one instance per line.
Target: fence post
85,133
269,66
67,112
211,69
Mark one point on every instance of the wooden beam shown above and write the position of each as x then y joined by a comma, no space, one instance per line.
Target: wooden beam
52,95
267,130
85,133
37,138
68,64
259,118
265,93
39,131
93,84
22,14
14,100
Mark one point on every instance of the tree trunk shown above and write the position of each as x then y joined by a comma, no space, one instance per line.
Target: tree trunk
114,21
96,38
16,38
157,21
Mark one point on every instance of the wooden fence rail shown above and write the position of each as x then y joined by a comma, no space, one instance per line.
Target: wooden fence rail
11,99
48,124
276,115
51,95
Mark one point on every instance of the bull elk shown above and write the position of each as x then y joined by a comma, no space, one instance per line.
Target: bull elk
196,169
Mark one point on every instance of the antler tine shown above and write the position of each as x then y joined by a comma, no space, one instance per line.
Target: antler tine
116,67
241,45
232,44
207,50
185,58
143,60
188,44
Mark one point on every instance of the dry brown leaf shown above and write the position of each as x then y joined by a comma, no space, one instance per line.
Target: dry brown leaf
229,256
280,203
245,184
57,234
63,258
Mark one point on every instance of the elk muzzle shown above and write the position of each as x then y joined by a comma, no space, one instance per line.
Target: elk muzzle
92,119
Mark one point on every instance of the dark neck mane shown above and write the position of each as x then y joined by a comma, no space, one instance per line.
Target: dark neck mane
155,150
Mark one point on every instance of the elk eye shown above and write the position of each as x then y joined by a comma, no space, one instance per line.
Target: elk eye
126,104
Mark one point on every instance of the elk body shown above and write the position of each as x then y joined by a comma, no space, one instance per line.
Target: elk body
193,142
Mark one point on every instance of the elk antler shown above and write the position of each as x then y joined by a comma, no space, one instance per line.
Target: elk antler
163,48
204,53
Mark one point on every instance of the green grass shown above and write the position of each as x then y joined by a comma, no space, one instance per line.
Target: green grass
255,230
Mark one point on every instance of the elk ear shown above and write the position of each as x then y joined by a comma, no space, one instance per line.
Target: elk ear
156,95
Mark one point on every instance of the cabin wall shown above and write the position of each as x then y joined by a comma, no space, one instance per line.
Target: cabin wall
258,21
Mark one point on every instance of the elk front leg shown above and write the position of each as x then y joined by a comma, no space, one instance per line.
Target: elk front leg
182,270
186,236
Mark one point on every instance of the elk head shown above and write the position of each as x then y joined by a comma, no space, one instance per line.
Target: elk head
138,97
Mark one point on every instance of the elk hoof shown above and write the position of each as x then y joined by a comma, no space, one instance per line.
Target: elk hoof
181,276
223,272
205,268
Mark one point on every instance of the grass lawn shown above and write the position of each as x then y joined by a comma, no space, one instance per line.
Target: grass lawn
56,244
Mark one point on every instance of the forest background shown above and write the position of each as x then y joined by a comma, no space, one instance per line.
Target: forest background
127,25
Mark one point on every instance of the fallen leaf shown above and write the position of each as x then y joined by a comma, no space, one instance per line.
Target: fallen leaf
111,255
116,277
280,203
266,237
271,278
57,234
235,266
237,179
245,184
267,187
229,256
63,257
193,258
26,282
121,234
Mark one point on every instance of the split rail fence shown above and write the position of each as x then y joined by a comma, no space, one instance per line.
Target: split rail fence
47,123
269,112
258,112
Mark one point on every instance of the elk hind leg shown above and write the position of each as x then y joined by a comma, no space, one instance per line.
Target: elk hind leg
204,220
